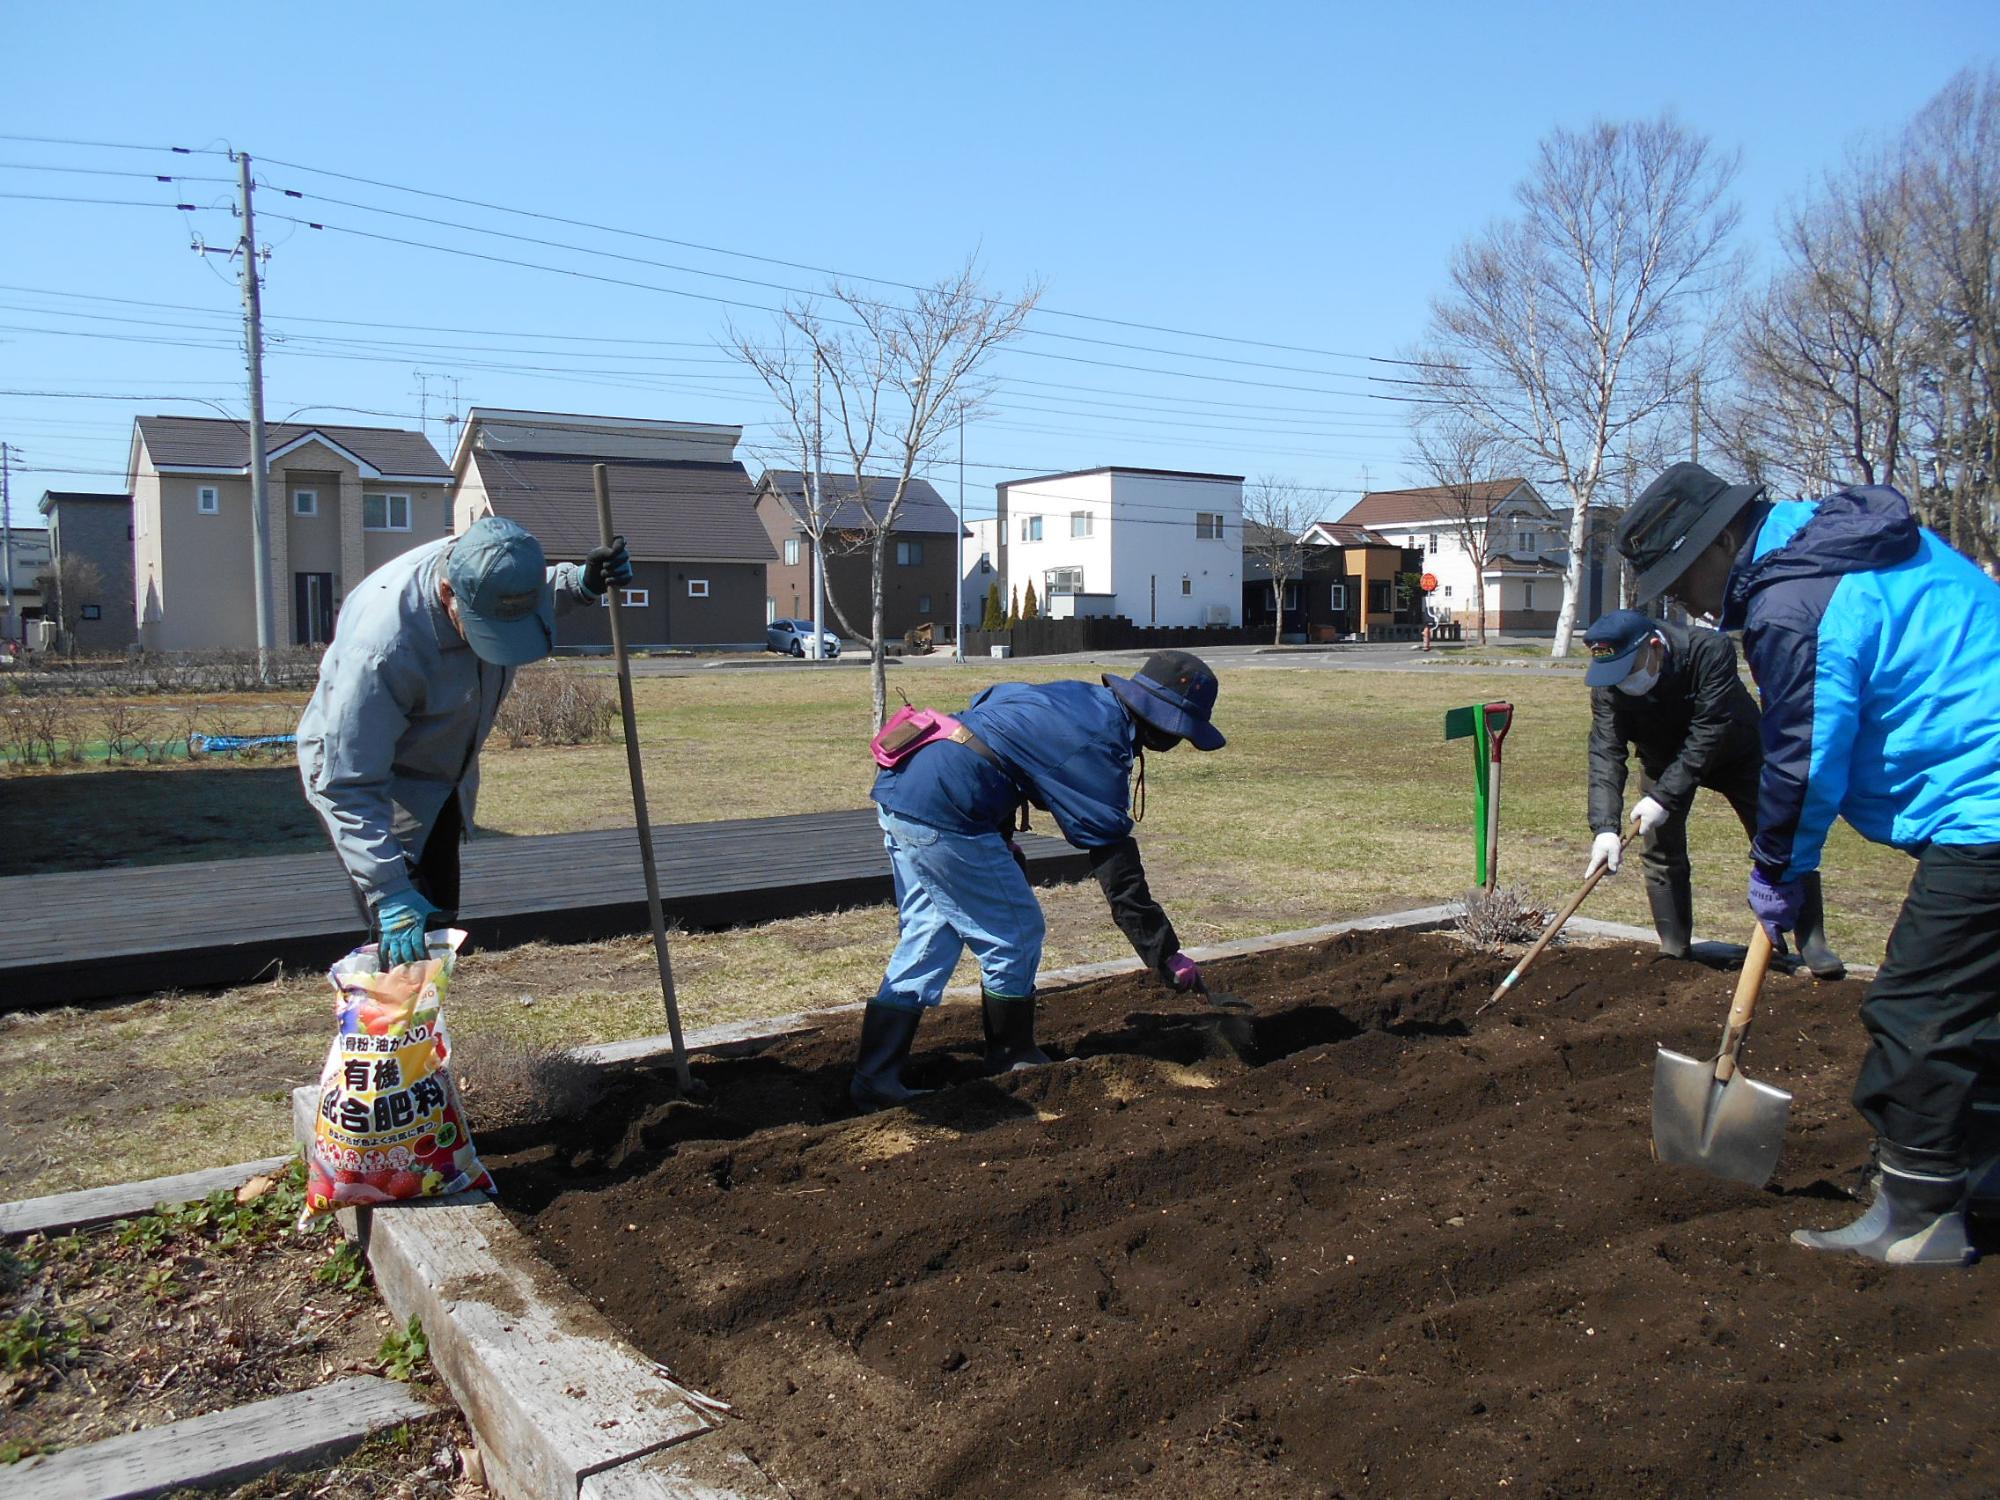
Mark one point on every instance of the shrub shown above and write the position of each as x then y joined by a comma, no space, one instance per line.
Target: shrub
508,1083
558,703
1498,917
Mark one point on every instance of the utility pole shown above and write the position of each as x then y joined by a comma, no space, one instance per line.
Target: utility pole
1694,421
7,620
958,584
260,479
814,533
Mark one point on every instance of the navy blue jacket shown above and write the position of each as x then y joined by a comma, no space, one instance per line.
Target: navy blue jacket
1876,647
1065,746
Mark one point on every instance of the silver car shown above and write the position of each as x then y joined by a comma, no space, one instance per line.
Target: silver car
790,637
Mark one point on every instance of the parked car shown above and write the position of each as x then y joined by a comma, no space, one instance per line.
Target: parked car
790,637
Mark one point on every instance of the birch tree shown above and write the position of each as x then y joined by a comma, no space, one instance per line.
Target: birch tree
1590,311
894,380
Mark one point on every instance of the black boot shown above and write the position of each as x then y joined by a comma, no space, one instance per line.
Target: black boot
1813,947
1672,900
887,1032
1982,1152
1917,1218
1010,1032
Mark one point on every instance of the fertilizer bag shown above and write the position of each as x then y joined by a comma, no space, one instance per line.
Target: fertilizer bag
390,1126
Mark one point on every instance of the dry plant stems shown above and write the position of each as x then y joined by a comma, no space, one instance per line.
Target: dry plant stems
1573,332
1280,511
1501,917
894,381
558,703
507,1082
1464,463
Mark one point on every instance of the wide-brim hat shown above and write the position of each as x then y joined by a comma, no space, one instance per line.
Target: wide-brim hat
1677,516
499,577
1175,693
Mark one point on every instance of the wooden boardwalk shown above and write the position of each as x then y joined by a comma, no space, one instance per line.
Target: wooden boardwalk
99,934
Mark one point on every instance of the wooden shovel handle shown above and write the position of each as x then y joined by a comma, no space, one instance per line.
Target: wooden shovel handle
1744,1004
1560,921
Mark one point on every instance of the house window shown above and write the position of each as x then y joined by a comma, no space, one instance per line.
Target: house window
627,599
1207,526
923,604
770,609
1431,543
1080,523
305,502
1031,528
697,588
1381,600
93,611
1447,591
1339,599
385,512
909,554
791,552
1063,581
1187,586
1527,596
208,500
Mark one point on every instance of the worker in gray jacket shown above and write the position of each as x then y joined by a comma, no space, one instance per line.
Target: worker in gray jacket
423,656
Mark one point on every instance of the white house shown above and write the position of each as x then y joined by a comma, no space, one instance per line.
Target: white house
1525,555
982,571
1158,546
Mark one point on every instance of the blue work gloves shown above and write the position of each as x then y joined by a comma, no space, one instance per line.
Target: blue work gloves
400,921
1777,904
604,566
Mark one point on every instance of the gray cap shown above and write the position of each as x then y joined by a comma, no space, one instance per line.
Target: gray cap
500,578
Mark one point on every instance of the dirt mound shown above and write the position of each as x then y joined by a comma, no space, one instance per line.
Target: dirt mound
1360,1242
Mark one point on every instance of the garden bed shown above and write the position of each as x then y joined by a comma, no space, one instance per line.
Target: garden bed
1364,1242
192,1309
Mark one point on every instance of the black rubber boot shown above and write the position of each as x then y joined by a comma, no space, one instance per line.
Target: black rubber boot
1982,1154
1917,1218
1010,1032
887,1032
1813,948
1672,900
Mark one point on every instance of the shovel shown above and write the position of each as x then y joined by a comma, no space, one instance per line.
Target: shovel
1710,1115
1560,921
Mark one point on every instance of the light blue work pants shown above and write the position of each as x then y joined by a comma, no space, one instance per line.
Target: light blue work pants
956,891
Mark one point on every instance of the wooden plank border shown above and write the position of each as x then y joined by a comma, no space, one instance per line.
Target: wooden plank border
92,1206
222,1447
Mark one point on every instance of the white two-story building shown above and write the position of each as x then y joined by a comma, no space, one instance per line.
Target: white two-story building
1158,546
1525,549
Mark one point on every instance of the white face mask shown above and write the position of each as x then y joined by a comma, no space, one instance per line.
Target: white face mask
1640,682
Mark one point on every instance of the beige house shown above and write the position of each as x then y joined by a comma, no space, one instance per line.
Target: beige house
343,501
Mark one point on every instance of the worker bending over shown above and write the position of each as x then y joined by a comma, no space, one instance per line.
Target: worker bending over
947,812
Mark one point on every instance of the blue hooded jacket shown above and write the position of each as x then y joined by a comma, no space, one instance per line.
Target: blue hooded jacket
1065,745
1876,648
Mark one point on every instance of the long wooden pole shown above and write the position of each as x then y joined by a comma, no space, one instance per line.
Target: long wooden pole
1549,932
601,480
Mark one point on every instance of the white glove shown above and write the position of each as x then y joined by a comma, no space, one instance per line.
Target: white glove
1648,814
1605,850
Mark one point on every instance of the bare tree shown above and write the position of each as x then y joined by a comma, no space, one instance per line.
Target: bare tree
1276,513
1463,462
895,379
1583,317
72,582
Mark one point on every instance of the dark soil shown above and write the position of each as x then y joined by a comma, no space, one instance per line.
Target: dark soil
170,1315
1361,1244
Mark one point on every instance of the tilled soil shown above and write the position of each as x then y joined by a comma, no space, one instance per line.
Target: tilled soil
1361,1243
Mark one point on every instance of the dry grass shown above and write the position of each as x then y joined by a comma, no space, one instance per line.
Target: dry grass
1336,796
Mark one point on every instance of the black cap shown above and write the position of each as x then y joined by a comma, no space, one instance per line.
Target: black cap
1679,514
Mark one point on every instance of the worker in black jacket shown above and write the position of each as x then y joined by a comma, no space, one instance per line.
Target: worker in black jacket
1672,693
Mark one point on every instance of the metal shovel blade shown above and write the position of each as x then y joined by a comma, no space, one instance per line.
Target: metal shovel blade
1733,1129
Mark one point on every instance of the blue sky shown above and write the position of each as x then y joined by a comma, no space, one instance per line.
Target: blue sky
1297,174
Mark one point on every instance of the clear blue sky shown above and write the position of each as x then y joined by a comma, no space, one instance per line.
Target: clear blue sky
1294,173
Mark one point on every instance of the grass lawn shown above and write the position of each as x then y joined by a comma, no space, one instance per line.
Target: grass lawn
1337,795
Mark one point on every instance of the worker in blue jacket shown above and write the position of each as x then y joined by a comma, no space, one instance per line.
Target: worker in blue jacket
1876,647
947,813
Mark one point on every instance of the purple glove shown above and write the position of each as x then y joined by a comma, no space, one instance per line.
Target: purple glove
1776,903
1183,973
